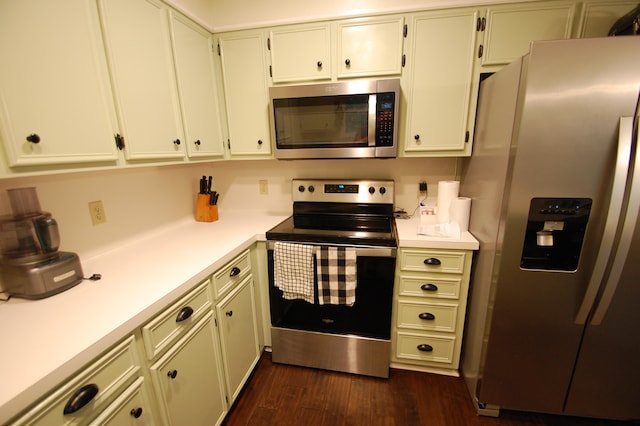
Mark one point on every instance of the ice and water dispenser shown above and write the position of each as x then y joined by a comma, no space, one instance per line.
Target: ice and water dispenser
555,232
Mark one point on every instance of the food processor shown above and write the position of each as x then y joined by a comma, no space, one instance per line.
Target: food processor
31,265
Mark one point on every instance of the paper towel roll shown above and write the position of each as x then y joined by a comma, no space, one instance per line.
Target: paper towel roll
447,191
459,212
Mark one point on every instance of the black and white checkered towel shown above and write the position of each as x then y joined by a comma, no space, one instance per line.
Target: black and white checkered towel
293,270
336,268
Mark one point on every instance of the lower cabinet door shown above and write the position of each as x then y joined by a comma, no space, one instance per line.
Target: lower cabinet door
238,335
187,379
132,407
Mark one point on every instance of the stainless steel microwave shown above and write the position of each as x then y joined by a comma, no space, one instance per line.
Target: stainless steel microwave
351,119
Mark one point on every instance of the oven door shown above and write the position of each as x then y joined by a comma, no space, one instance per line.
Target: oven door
370,315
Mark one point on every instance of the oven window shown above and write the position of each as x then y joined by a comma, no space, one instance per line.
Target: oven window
322,122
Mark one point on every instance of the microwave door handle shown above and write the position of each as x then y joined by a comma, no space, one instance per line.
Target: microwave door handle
621,254
623,156
373,103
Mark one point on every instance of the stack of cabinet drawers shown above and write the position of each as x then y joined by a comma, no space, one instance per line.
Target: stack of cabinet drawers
430,299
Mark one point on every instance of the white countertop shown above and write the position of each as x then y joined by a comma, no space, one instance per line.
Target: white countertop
45,341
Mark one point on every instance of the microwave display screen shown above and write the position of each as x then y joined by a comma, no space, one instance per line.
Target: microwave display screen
322,122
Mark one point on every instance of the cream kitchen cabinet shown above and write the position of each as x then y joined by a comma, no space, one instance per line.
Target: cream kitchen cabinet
182,345
430,299
508,30
360,47
138,45
239,339
55,97
244,74
112,387
194,61
597,17
300,53
440,84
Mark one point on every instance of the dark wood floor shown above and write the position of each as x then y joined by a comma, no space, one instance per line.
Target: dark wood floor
287,395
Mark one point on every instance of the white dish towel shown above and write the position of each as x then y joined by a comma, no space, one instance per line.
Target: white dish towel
336,269
293,270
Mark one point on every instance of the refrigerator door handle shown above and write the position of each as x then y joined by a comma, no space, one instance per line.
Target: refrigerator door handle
623,157
620,257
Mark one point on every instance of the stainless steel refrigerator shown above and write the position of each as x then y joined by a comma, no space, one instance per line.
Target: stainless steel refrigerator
554,314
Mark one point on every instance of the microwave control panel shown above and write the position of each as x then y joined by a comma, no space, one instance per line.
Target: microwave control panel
385,106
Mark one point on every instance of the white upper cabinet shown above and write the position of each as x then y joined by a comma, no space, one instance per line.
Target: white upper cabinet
55,99
509,29
193,53
246,94
370,46
440,85
300,53
139,50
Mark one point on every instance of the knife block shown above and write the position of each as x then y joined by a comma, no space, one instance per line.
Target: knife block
205,212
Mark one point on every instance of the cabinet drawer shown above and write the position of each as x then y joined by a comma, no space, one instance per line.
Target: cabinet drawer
437,348
176,320
434,261
435,286
231,274
427,316
108,375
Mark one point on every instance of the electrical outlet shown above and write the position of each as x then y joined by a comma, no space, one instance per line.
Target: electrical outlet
96,211
264,186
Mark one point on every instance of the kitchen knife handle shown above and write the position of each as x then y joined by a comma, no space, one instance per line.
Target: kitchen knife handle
184,314
432,261
234,271
80,398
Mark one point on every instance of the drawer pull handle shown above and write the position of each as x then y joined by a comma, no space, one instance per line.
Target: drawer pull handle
136,412
234,271
80,398
429,287
229,313
172,374
426,316
184,314
425,348
432,261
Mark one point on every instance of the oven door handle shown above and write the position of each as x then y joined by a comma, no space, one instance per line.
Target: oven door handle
360,251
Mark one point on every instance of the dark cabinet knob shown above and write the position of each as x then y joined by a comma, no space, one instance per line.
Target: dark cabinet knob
347,62
197,142
234,271
176,142
136,412
417,137
425,348
259,141
429,287
229,313
172,374
184,314
80,398
33,138
319,64
432,261
426,316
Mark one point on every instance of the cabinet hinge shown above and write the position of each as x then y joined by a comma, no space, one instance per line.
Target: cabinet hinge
270,71
480,51
404,60
119,141
219,50
215,321
405,30
229,143
481,24
268,43
466,137
227,398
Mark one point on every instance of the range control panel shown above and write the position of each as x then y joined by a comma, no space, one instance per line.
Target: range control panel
343,191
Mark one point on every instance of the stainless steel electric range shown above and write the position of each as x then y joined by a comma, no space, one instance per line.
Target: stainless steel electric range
331,273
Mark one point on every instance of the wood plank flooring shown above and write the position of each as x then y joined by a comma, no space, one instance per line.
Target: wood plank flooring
284,395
